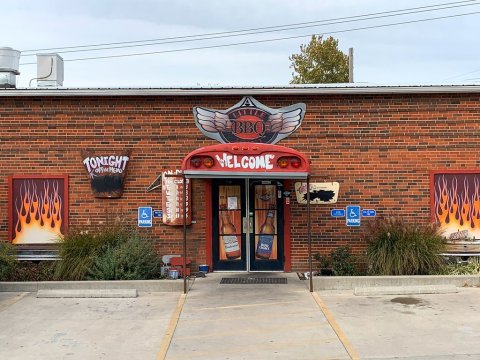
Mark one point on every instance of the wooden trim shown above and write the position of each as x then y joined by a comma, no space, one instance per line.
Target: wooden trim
287,218
10,208
208,224
432,195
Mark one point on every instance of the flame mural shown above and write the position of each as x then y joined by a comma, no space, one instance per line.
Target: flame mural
457,205
38,211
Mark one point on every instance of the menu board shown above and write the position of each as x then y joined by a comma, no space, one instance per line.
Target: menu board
172,198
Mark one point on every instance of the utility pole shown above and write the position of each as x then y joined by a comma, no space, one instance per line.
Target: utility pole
350,65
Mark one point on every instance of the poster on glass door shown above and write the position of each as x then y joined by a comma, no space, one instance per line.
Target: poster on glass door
230,226
265,222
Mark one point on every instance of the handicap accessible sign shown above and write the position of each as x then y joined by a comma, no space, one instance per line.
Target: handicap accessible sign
353,215
145,217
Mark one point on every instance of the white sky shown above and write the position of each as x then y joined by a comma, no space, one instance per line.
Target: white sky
434,52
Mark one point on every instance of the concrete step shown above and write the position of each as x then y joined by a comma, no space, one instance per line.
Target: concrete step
405,290
87,293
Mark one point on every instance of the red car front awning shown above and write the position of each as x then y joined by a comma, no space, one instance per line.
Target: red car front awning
246,160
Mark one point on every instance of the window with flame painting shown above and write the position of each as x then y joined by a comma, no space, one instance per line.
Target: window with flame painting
456,204
38,208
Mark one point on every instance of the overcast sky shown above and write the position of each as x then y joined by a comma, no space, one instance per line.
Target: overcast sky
432,52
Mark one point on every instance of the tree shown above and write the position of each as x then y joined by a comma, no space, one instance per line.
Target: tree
319,62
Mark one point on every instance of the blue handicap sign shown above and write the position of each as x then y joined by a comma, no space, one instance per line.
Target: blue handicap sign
337,212
369,213
145,217
353,215
157,213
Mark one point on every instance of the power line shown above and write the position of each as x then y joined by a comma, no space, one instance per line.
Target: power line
260,30
460,75
266,40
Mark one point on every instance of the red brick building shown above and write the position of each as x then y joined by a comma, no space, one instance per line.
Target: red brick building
381,144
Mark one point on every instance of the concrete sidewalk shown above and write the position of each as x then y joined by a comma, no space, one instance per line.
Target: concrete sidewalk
258,321
83,328
414,327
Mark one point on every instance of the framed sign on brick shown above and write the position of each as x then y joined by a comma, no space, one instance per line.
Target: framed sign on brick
455,203
38,208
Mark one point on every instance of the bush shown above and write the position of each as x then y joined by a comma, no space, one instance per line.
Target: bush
342,261
134,259
324,261
109,254
399,248
8,261
79,249
33,271
472,267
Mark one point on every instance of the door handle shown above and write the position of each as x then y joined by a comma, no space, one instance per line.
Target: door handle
247,224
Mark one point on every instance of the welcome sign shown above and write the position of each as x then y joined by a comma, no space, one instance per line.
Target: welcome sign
258,162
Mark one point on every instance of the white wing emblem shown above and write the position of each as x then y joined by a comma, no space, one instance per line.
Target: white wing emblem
212,122
285,122
219,126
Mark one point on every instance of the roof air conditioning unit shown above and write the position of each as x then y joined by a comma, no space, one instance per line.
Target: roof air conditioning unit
9,63
49,70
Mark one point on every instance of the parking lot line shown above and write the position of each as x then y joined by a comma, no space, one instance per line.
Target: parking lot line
331,320
167,338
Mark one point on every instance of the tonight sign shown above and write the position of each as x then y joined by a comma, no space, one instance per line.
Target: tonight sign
106,172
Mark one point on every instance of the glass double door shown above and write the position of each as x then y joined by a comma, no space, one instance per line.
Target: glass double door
247,225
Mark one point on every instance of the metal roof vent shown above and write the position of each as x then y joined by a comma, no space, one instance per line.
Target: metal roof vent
49,70
9,62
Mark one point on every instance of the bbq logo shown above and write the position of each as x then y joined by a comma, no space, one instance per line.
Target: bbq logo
249,121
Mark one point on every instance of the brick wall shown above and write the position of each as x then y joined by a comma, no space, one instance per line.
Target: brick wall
380,148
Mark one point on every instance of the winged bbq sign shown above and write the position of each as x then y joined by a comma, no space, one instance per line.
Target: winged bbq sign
249,121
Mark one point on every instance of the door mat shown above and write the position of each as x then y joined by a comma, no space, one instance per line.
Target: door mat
254,280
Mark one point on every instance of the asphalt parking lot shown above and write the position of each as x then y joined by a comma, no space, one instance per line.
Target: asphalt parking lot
242,322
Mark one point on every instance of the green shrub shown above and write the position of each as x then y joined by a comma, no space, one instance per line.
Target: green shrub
115,253
79,249
343,261
8,261
398,248
472,267
134,259
324,261
340,261
33,271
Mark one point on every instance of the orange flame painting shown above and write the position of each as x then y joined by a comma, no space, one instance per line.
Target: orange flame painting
38,211
457,205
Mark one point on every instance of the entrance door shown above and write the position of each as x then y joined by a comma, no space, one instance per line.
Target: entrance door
266,225
228,228
247,225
